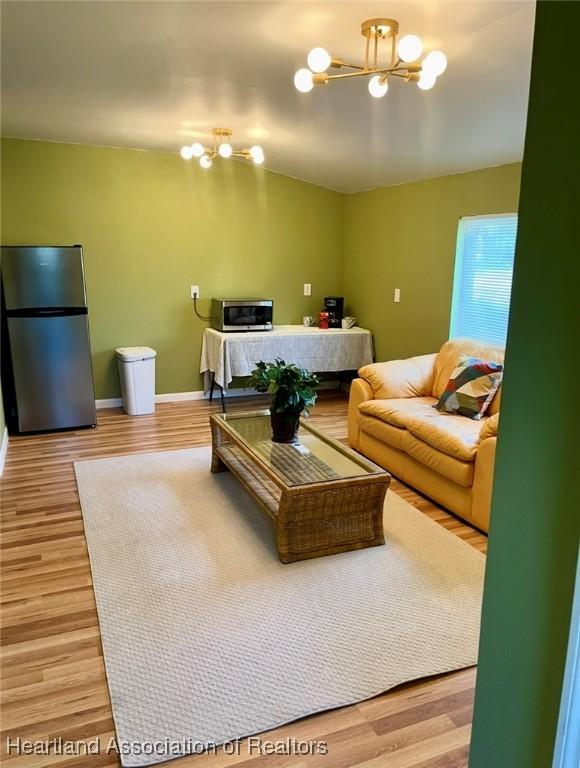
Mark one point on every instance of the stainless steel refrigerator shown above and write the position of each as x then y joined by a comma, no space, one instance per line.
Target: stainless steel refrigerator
47,374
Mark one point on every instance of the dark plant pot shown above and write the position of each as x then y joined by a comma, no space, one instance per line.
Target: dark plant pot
284,428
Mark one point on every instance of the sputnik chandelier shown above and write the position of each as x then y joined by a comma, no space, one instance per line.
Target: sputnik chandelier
221,148
404,61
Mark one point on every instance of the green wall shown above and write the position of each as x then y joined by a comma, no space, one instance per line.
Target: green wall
535,522
404,237
152,225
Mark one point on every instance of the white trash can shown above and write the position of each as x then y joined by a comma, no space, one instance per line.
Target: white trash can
137,374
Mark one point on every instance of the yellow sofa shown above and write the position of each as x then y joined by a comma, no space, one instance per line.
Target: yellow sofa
449,458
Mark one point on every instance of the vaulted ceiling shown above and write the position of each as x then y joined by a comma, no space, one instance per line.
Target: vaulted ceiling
157,75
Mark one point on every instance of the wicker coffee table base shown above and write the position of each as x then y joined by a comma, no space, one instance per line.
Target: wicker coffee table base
311,520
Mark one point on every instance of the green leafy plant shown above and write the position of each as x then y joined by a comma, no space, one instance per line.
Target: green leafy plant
292,387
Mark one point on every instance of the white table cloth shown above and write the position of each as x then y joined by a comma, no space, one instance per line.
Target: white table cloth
226,355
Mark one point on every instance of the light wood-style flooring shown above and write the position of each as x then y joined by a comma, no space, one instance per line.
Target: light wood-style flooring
53,678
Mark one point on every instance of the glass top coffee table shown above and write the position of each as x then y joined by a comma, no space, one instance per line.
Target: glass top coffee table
323,497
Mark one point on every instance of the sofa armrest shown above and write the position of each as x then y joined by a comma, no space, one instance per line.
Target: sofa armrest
360,392
490,427
401,378
483,483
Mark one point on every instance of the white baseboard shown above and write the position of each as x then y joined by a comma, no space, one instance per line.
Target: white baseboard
111,402
3,450
177,397
199,394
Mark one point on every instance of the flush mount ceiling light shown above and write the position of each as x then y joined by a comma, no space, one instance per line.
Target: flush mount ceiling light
221,148
405,61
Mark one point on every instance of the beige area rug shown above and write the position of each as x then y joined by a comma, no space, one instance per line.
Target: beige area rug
207,637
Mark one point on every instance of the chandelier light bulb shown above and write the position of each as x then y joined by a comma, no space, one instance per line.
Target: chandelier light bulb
205,161
197,149
319,60
225,150
186,153
410,48
435,63
426,81
376,88
303,80
257,154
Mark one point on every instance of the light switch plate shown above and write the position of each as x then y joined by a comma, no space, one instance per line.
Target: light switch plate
194,292
308,289
397,297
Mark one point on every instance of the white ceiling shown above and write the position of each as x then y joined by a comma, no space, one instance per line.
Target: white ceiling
160,74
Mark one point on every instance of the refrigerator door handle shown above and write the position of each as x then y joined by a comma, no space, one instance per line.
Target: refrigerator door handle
47,312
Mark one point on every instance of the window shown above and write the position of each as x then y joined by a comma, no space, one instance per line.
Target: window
483,277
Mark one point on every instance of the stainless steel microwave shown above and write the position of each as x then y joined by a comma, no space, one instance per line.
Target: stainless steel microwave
242,314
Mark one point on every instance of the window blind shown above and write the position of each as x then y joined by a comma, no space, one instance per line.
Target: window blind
483,277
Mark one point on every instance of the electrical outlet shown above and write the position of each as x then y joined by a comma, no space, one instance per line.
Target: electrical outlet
194,292
308,289
397,297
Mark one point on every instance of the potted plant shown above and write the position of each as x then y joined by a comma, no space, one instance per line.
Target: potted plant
293,392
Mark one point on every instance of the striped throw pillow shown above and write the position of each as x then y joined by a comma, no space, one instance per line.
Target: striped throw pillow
471,388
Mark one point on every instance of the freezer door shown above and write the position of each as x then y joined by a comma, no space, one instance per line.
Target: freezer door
53,377
39,277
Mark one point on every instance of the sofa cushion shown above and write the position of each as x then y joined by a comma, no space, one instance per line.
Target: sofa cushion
471,387
456,436
401,378
386,433
399,410
490,427
460,472
452,351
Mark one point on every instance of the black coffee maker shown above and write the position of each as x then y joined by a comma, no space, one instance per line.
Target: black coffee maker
334,305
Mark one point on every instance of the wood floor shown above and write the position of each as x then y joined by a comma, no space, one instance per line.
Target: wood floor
53,678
